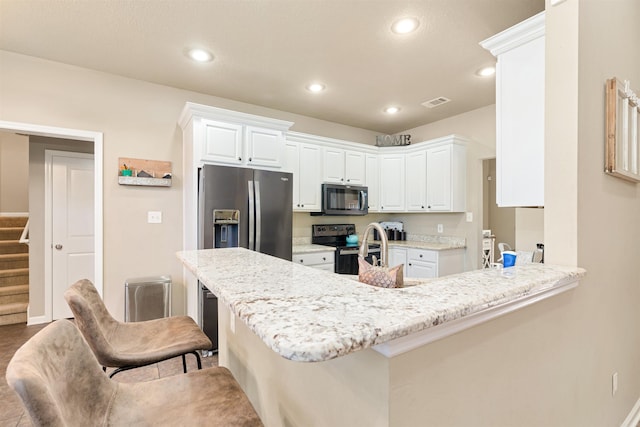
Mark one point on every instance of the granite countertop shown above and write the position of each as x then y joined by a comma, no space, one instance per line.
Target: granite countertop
433,246
309,315
310,248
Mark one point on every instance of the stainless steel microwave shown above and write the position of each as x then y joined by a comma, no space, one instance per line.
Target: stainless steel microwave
340,199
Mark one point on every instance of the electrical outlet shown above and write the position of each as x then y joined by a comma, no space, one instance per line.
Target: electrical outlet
154,217
469,216
440,228
614,383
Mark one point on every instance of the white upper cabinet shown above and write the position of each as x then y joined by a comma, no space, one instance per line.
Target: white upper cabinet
344,166
416,180
334,167
218,136
520,87
303,160
265,147
392,182
222,143
446,177
355,167
373,181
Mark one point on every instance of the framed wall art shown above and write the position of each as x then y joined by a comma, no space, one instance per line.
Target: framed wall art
622,157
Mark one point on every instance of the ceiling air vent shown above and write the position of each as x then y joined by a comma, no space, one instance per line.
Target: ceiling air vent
435,102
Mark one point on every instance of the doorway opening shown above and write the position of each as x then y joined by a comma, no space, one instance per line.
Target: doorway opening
73,140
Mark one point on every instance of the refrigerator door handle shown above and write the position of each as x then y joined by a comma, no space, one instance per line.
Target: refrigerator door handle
258,216
251,216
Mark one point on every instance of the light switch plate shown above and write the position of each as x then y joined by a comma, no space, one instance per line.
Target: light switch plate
154,217
469,216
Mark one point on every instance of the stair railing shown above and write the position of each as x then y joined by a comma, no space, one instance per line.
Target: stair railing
24,238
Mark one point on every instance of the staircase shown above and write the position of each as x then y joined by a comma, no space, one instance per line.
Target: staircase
14,271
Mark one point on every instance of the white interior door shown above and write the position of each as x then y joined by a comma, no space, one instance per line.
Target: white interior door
72,231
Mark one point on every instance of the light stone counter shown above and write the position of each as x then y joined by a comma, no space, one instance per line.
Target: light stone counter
309,249
433,246
304,314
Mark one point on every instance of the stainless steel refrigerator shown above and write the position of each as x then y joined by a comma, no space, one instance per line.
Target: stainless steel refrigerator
248,208
241,207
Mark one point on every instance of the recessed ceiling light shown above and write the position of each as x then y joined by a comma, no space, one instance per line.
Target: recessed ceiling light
200,55
486,71
391,110
405,25
316,87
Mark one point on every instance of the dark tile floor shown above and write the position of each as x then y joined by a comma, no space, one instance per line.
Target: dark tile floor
13,336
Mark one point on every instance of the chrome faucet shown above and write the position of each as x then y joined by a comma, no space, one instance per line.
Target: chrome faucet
384,250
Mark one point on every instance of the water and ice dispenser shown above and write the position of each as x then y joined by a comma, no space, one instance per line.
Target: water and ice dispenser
226,227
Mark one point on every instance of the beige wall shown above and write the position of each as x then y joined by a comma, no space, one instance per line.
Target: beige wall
551,364
502,221
138,120
529,228
14,173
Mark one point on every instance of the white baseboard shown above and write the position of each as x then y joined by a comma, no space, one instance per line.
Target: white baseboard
14,214
36,320
633,418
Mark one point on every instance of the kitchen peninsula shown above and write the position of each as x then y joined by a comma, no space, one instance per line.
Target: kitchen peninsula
275,314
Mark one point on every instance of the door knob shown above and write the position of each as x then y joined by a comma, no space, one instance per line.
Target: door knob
58,246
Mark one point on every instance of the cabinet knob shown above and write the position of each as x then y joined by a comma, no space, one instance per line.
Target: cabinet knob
429,207
348,180
302,206
240,158
420,255
341,179
409,264
324,258
301,261
422,207
298,205
250,159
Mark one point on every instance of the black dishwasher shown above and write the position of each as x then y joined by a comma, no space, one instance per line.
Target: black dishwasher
209,313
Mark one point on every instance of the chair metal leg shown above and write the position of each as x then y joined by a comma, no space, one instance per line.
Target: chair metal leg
198,359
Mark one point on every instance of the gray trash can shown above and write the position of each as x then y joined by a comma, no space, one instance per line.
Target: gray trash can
147,298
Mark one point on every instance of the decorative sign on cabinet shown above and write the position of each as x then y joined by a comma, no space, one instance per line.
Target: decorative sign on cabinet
520,112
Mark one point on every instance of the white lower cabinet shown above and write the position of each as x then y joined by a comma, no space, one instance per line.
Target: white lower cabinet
427,263
398,256
422,263
319,260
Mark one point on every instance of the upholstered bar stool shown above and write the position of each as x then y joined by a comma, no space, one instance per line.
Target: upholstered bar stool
60,383
131,345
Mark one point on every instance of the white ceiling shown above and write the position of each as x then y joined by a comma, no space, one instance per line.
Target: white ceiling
266,51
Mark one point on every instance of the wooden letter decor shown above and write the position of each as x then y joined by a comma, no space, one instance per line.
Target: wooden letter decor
623,131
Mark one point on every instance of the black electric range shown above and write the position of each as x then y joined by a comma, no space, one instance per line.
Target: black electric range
346,256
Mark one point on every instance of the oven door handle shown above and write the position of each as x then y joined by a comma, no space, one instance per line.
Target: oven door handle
349,252
355,251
